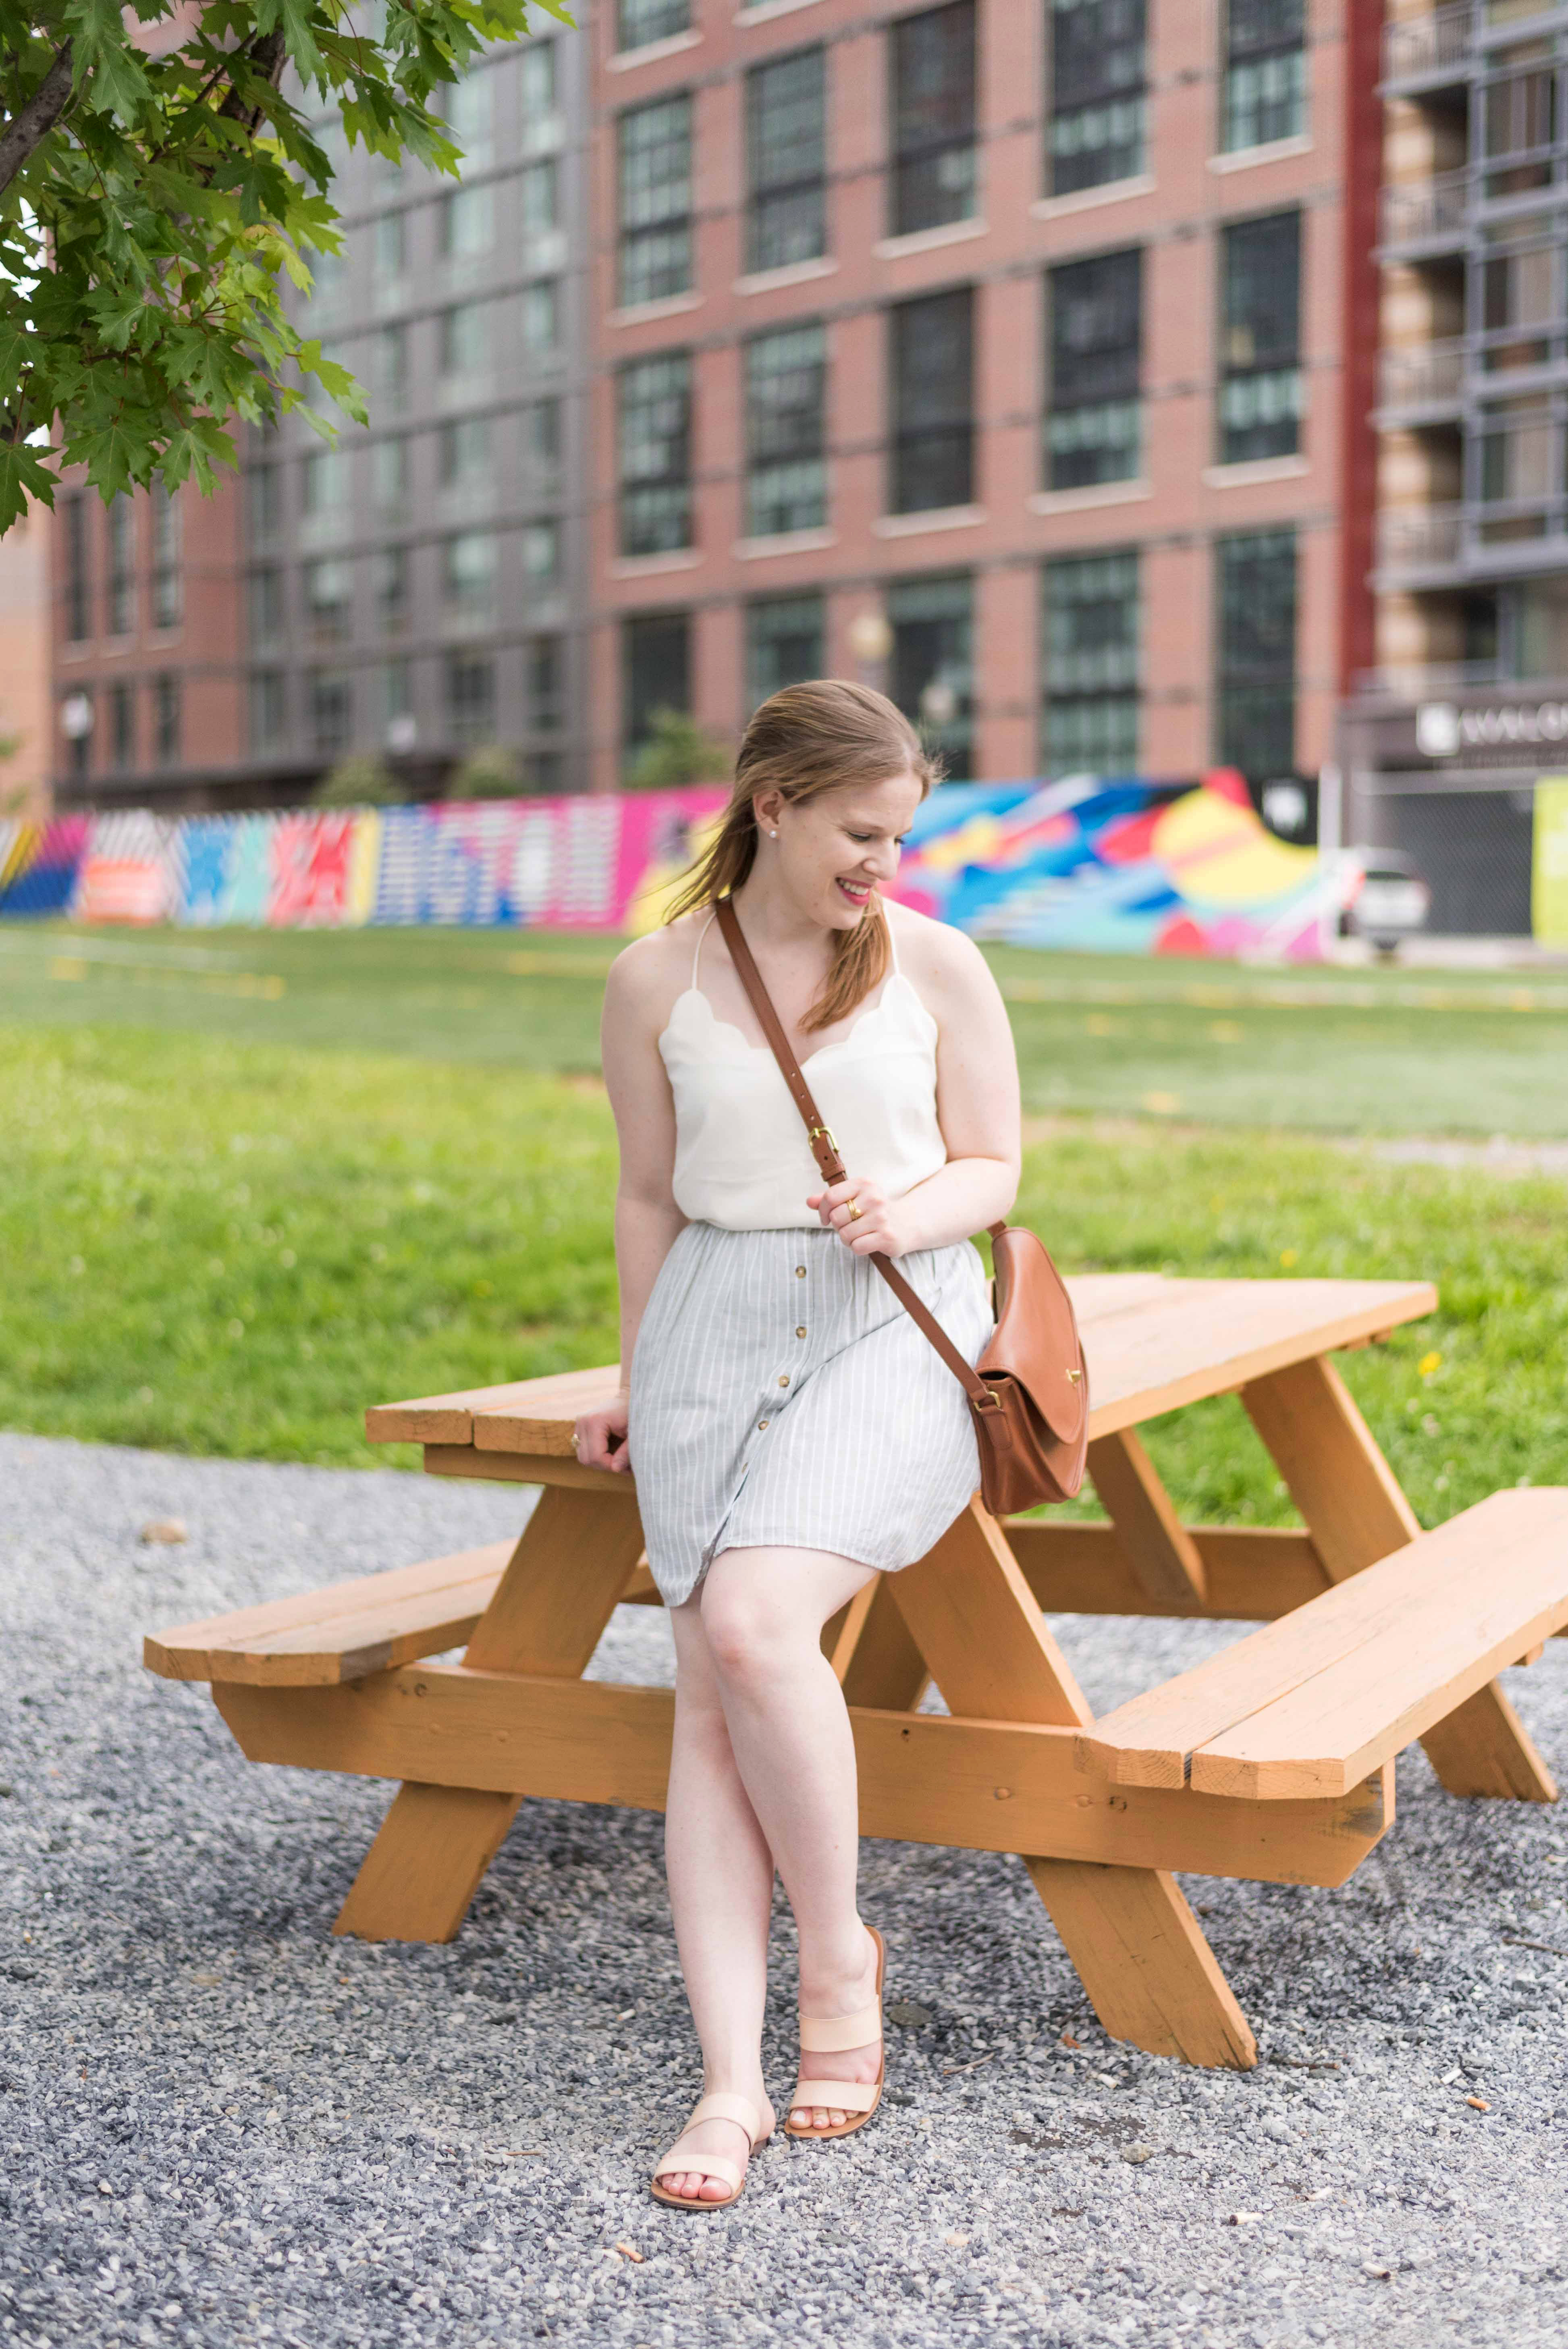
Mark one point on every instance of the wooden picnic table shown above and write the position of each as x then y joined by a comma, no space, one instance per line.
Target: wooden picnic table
1273,1761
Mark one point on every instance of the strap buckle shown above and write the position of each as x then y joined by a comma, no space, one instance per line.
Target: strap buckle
828,1135
992,1400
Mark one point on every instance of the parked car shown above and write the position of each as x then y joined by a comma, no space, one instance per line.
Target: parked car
1390,902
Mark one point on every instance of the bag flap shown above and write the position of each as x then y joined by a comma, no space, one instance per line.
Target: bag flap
1036,1337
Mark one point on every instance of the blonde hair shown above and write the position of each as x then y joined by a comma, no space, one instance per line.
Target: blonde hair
803,741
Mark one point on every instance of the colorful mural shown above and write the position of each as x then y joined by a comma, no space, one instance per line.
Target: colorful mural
1101,865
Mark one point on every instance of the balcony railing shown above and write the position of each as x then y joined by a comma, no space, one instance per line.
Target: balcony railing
1427,375
1425,212
1419,46
1419,538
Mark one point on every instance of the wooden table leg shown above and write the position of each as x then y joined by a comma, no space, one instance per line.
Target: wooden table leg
550,1607
876,1661
1150,1974
1357,1514
1163,1553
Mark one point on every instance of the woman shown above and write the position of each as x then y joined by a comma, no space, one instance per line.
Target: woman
793,1432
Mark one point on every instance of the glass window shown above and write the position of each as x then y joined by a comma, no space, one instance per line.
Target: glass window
932,663
468,575
541,546
539,312
1093,371
656,454
465,457
389,477
786,160
1095,111
638,22
1089,720
81,739
329,600
468,223
467,109
1265,72
395,692
265,602
264,502
1255,681
654,160
539,196
540,425
78,616
122,725
930,374
656,652
121,524
785,474
545,678
391,247
330,699
325,472
465,338
168,582
784,640
933,105
470,698
390,581
267,710
1262,388
538,82
166,716
1519,130
391,371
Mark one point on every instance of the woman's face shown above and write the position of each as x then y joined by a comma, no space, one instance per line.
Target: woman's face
834,850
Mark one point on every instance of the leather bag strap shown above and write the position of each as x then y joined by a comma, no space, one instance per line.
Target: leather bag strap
825,1150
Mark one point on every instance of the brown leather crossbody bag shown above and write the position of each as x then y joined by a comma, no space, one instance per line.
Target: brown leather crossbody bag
1028,1394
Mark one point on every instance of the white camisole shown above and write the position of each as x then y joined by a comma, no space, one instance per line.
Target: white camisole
742,1160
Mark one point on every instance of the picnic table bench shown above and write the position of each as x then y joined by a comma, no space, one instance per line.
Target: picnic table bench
1273,1761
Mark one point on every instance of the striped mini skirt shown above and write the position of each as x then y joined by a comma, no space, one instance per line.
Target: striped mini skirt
781,1395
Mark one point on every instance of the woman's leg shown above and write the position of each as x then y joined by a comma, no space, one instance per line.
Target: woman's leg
720,1875
763,1610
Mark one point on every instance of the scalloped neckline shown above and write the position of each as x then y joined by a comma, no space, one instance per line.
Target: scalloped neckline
871,1012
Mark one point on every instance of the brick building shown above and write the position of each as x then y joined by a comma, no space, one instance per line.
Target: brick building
990,350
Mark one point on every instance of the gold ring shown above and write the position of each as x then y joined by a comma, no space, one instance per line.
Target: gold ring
855,1209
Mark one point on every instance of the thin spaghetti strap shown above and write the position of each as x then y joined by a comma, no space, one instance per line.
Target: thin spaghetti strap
698,948
891,939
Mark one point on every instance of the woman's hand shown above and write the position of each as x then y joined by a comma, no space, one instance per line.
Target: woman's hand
877,1230
600,1436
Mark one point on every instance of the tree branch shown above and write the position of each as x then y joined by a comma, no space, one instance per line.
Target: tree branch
28,128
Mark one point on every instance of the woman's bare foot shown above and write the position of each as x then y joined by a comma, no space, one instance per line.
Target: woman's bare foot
842,1996
725,2138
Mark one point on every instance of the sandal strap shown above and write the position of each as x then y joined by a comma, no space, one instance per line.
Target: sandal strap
723,2105
711,2165
842,2096
827,2034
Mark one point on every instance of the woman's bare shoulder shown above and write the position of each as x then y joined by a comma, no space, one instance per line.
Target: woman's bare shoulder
647,975
937,956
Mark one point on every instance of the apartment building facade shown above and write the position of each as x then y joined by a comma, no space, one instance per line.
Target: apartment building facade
1467,703
992,351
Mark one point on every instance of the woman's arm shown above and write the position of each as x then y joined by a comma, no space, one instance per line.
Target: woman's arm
646,1216
977,1108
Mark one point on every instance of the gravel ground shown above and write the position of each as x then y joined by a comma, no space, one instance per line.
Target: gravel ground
224,2127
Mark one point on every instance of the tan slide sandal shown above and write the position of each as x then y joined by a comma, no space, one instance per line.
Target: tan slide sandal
719,2107
823,2035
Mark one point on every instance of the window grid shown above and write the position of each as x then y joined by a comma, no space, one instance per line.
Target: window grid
786,160
1256,670
470,698
1261,386
655,651
932,58
544,672
1093,425
469,562
78,621
330,699
122,725
784,644
639,23
932,378
656,454
786,472
1096,113
1265,72
168,585
166,716
268,709
121,567
932,663
329,600
654,176
1089,719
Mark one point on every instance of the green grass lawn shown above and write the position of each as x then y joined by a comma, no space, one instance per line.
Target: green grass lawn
223,1245
1318,1050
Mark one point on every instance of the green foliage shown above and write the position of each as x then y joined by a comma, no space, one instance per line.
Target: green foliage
361,780
678,750
217,1248
154,203
492,772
